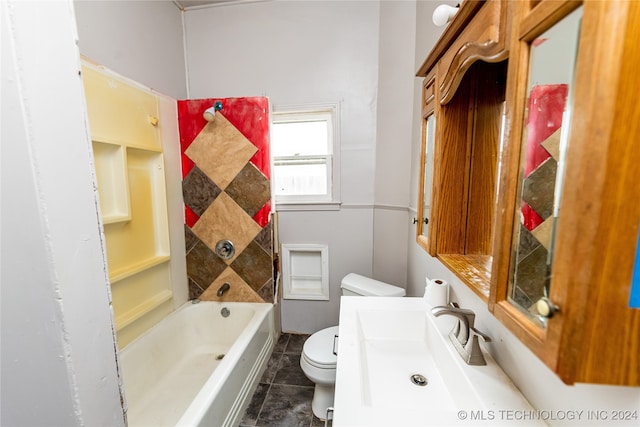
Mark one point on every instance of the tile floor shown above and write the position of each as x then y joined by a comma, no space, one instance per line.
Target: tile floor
283,397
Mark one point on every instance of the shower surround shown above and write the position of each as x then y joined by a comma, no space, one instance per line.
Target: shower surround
227,196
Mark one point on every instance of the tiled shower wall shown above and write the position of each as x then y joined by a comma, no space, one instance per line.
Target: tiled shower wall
225,167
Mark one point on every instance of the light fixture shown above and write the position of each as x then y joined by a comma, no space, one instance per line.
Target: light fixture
443,14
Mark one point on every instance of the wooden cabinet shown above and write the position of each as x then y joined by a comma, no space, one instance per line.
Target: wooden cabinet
587,261
465,88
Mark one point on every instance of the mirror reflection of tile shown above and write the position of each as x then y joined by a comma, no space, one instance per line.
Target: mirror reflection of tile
546,110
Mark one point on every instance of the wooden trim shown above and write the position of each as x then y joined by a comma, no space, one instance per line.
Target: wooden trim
429,94
485,38
531,335
598,227
468,10
544,16
516,93
434,203
429,89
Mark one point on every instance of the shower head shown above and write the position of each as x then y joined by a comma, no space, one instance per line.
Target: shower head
210,112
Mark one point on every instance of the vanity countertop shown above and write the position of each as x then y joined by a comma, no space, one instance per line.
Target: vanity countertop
397,367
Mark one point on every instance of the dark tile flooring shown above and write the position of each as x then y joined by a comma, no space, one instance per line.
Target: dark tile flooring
283,397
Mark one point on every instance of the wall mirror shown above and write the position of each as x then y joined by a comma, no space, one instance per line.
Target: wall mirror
426,160
544,143
429,136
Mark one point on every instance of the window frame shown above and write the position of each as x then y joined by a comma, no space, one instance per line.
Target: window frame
311,112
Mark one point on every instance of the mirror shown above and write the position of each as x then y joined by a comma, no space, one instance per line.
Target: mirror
427,174
547,118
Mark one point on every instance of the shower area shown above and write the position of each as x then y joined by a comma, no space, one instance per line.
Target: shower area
227,198
185,198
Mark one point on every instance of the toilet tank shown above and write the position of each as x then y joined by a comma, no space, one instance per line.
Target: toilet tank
355,284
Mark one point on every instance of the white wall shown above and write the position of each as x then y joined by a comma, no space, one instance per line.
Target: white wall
537,382
393,140
58,348
299,53
141,40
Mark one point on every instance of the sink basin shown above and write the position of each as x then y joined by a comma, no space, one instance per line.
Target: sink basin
390,353
396,367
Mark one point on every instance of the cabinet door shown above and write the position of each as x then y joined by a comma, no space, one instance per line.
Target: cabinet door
426,159
465,77
568,239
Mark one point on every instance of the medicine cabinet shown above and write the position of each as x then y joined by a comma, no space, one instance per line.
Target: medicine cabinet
551,242
463,95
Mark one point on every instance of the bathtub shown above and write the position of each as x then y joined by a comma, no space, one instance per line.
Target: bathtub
197,367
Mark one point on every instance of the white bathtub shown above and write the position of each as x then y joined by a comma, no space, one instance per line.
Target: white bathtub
174,373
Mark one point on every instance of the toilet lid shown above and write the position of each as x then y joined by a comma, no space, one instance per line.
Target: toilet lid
318,348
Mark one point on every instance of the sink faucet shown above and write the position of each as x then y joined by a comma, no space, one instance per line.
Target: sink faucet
464,336
225,287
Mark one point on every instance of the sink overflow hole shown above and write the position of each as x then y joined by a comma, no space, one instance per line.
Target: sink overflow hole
418,379
219,357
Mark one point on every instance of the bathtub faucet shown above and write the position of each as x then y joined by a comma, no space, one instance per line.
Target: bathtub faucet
224,288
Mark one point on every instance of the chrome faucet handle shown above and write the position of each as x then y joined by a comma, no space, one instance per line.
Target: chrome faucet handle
485,337
456,329
466,317
464,336
473,351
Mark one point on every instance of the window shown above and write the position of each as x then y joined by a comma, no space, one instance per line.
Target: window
302,145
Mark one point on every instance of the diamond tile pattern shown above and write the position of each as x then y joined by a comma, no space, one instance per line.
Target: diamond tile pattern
203,266
199,191
544,127
227,195
226,220
254,265
238,291
539,186
221,151
250,189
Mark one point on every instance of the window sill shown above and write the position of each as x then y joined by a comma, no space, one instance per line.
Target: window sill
308,206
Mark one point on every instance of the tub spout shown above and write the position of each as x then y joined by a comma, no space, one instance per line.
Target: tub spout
224,288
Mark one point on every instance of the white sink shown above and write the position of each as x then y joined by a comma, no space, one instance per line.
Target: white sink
384,342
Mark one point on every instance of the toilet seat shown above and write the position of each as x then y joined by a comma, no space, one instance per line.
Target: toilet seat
318,349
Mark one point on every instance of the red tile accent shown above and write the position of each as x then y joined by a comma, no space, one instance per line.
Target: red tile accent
546,108
250,115
190,217
262,216
531,217
190,124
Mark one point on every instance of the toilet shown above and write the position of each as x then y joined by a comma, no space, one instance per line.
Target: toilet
318,359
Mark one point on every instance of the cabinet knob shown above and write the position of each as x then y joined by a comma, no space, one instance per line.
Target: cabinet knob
546,308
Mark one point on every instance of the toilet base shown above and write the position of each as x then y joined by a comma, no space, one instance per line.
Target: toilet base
322,399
